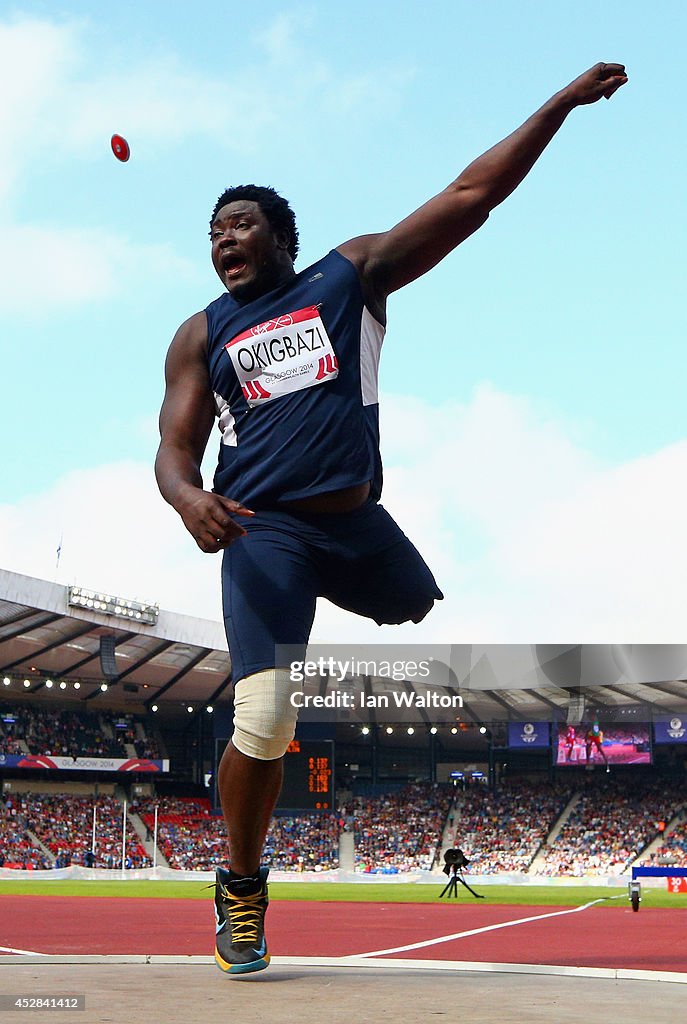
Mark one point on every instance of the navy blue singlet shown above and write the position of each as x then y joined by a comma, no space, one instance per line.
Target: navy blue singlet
323,437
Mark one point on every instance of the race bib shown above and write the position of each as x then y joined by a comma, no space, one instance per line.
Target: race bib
284,355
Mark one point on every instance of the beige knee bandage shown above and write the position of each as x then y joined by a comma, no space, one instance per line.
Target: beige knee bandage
265,714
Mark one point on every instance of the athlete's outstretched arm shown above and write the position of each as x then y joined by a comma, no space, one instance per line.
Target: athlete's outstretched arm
392,259
186,418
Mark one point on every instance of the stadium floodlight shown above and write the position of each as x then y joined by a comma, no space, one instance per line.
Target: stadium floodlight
63,685
209,709
110,604
483,729
410,730
153,708
454,730
389,730
49,683
365,730
103,687
27,683
190,709
7,681
77,685
434,730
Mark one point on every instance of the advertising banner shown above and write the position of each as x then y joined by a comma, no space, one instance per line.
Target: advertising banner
100,764
671,730
529,735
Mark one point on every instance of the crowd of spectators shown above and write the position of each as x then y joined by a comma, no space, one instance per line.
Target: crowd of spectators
402,831
61,732
309,842
64,826
609,826
18,848
191,838
503,830
673,849
188,837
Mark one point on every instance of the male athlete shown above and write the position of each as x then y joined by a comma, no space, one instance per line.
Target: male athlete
288,362
569,740
594,740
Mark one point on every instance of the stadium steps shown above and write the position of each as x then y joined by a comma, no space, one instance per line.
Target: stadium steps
450,837
41,846
105,727
147,844
538,861
347,851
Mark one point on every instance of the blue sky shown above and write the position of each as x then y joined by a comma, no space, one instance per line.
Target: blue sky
533,383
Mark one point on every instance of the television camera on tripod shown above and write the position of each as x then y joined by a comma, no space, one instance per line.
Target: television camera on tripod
454,862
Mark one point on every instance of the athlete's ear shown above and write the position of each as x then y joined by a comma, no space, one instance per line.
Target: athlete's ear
282,238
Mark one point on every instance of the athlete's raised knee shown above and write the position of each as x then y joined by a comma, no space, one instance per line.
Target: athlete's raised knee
265,714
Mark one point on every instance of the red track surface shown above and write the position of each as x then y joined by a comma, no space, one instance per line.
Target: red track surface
599,937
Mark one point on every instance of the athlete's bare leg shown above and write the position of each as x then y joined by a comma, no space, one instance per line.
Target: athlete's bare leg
248,791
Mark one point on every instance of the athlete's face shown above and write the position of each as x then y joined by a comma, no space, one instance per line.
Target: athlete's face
249,257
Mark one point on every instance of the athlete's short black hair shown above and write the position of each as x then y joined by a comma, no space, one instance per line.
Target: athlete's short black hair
278,212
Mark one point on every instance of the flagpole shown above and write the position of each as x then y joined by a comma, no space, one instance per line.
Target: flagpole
123,836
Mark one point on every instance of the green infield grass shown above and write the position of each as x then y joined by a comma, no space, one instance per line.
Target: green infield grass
367,892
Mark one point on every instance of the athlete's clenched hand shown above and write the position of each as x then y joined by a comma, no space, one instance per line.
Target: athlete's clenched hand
208,518
601,80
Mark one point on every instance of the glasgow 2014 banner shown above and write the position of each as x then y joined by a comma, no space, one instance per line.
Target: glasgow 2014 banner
671,730
528,734
100,764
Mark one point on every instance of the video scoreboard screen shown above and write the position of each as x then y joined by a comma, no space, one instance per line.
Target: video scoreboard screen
601,744
308,776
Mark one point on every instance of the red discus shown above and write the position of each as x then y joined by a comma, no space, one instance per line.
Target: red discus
120,147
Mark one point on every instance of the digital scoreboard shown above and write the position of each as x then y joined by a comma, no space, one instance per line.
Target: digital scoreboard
308,776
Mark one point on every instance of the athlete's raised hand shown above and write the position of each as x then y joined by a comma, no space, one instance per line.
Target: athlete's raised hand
601,80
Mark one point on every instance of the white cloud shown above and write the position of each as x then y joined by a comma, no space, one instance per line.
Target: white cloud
116,533
33,59
48,267
530,538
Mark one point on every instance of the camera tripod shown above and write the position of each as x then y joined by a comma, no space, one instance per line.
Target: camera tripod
451,887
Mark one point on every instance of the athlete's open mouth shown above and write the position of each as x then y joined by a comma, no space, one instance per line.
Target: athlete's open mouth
233,265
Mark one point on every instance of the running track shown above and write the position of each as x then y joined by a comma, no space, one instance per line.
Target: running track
600,936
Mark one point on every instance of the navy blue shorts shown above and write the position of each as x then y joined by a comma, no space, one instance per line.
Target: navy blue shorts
271,578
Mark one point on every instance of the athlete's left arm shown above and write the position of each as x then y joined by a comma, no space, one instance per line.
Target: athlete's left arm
392,259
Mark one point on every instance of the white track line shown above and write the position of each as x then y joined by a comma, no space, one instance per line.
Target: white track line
314,962
476,931
19,952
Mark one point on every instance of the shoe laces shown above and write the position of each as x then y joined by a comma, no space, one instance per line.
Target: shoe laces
245,915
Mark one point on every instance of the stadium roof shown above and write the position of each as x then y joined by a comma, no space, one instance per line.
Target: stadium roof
179,658
41,636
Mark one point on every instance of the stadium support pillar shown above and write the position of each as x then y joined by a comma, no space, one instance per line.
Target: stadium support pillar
200,740
375,755
432,757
